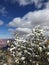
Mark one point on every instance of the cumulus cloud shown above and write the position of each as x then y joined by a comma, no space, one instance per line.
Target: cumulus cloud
20,31
27,22
16,22
26,30
1,22
40,17
23,31
19,22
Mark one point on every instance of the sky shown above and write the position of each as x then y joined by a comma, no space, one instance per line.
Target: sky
22,15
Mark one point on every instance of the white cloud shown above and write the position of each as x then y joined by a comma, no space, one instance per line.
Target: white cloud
1,22
38,3
16,22
26,2
25,30
46,4
11,30
3,11
19,22
27,22
40,17
21,31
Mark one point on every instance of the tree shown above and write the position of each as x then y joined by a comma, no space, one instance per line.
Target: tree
35,52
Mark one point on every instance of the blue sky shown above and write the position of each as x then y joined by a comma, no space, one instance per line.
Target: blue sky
22,15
